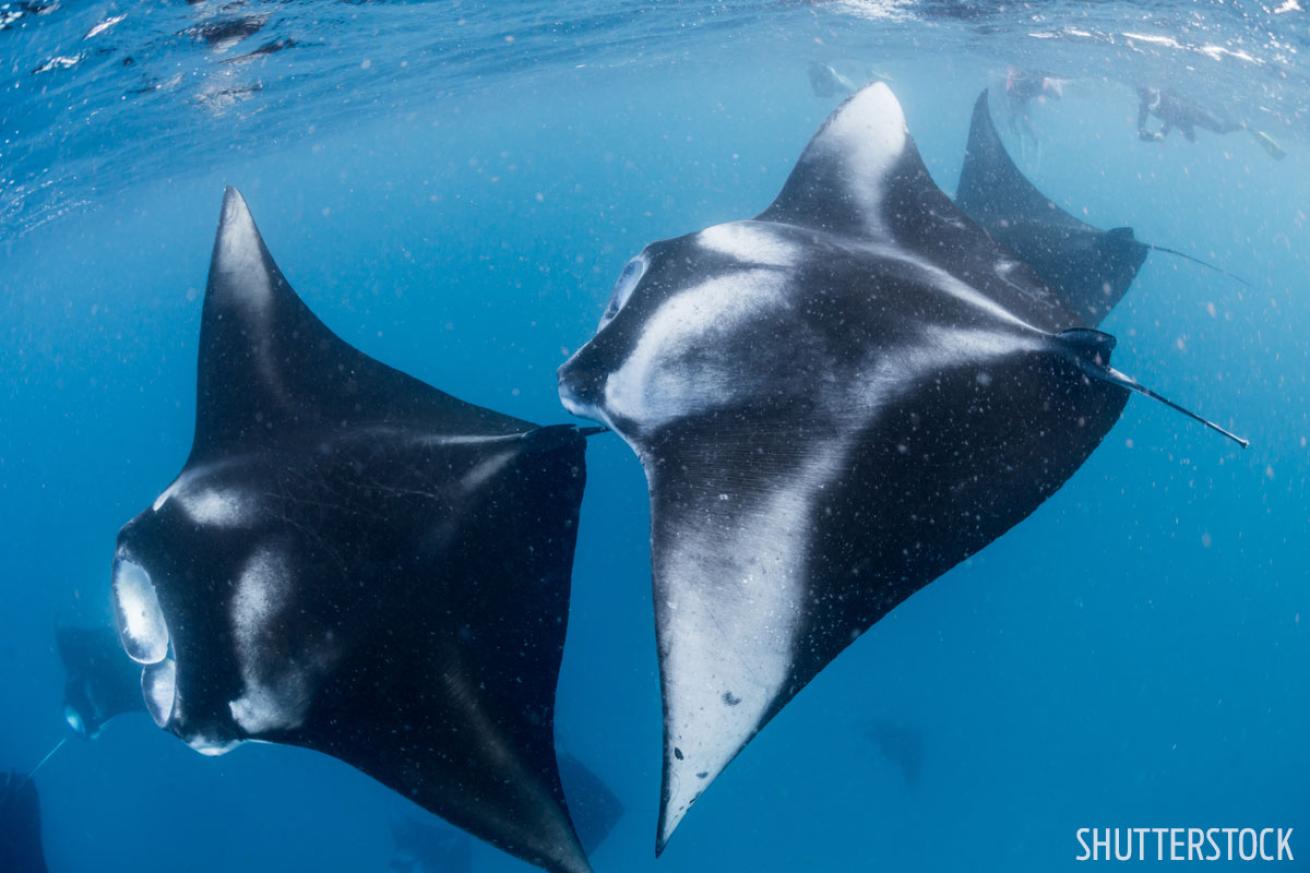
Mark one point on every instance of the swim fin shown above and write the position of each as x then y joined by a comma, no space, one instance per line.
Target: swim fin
1268,143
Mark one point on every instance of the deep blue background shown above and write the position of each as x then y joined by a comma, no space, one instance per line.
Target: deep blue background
1135,653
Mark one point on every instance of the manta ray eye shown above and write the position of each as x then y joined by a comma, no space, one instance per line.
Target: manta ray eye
623,288
141,626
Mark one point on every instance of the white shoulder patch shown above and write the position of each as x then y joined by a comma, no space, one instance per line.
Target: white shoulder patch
277,691
653,385
753,243
207,504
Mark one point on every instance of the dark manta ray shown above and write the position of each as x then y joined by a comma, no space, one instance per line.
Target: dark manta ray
834,403
357,563
99,684
429,847
595,809
20,825
1087,269
902,746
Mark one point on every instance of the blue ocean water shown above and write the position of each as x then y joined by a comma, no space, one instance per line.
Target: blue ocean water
454,187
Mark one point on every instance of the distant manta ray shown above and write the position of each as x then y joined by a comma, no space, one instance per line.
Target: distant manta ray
21,850
355,562
1088,269
901,745
834,403
99,683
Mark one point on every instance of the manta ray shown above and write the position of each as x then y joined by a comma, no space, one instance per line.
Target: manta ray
901,745
99,684
428,847
1087,269
21,849
354,562
595,808
834,403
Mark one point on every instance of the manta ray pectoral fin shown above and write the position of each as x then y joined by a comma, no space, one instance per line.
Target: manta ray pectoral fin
851,169
1085,269
269,365
861,177
1092,350
996,194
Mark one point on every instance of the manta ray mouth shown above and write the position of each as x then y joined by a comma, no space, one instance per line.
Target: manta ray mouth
143,632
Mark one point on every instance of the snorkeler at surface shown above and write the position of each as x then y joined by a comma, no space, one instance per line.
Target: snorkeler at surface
1022,87
825,81
1176,111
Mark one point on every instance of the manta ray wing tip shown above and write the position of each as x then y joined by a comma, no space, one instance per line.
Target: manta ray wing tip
238,246
571,859
669,820
234,204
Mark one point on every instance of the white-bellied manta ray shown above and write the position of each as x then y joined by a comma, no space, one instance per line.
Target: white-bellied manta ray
354,562
1088,269
834,403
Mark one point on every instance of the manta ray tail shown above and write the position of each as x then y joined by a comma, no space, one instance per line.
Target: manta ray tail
1132,384
1093,351
1194,260
48,755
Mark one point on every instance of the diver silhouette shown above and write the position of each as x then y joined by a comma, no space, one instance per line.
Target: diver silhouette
1178,112
1022,87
